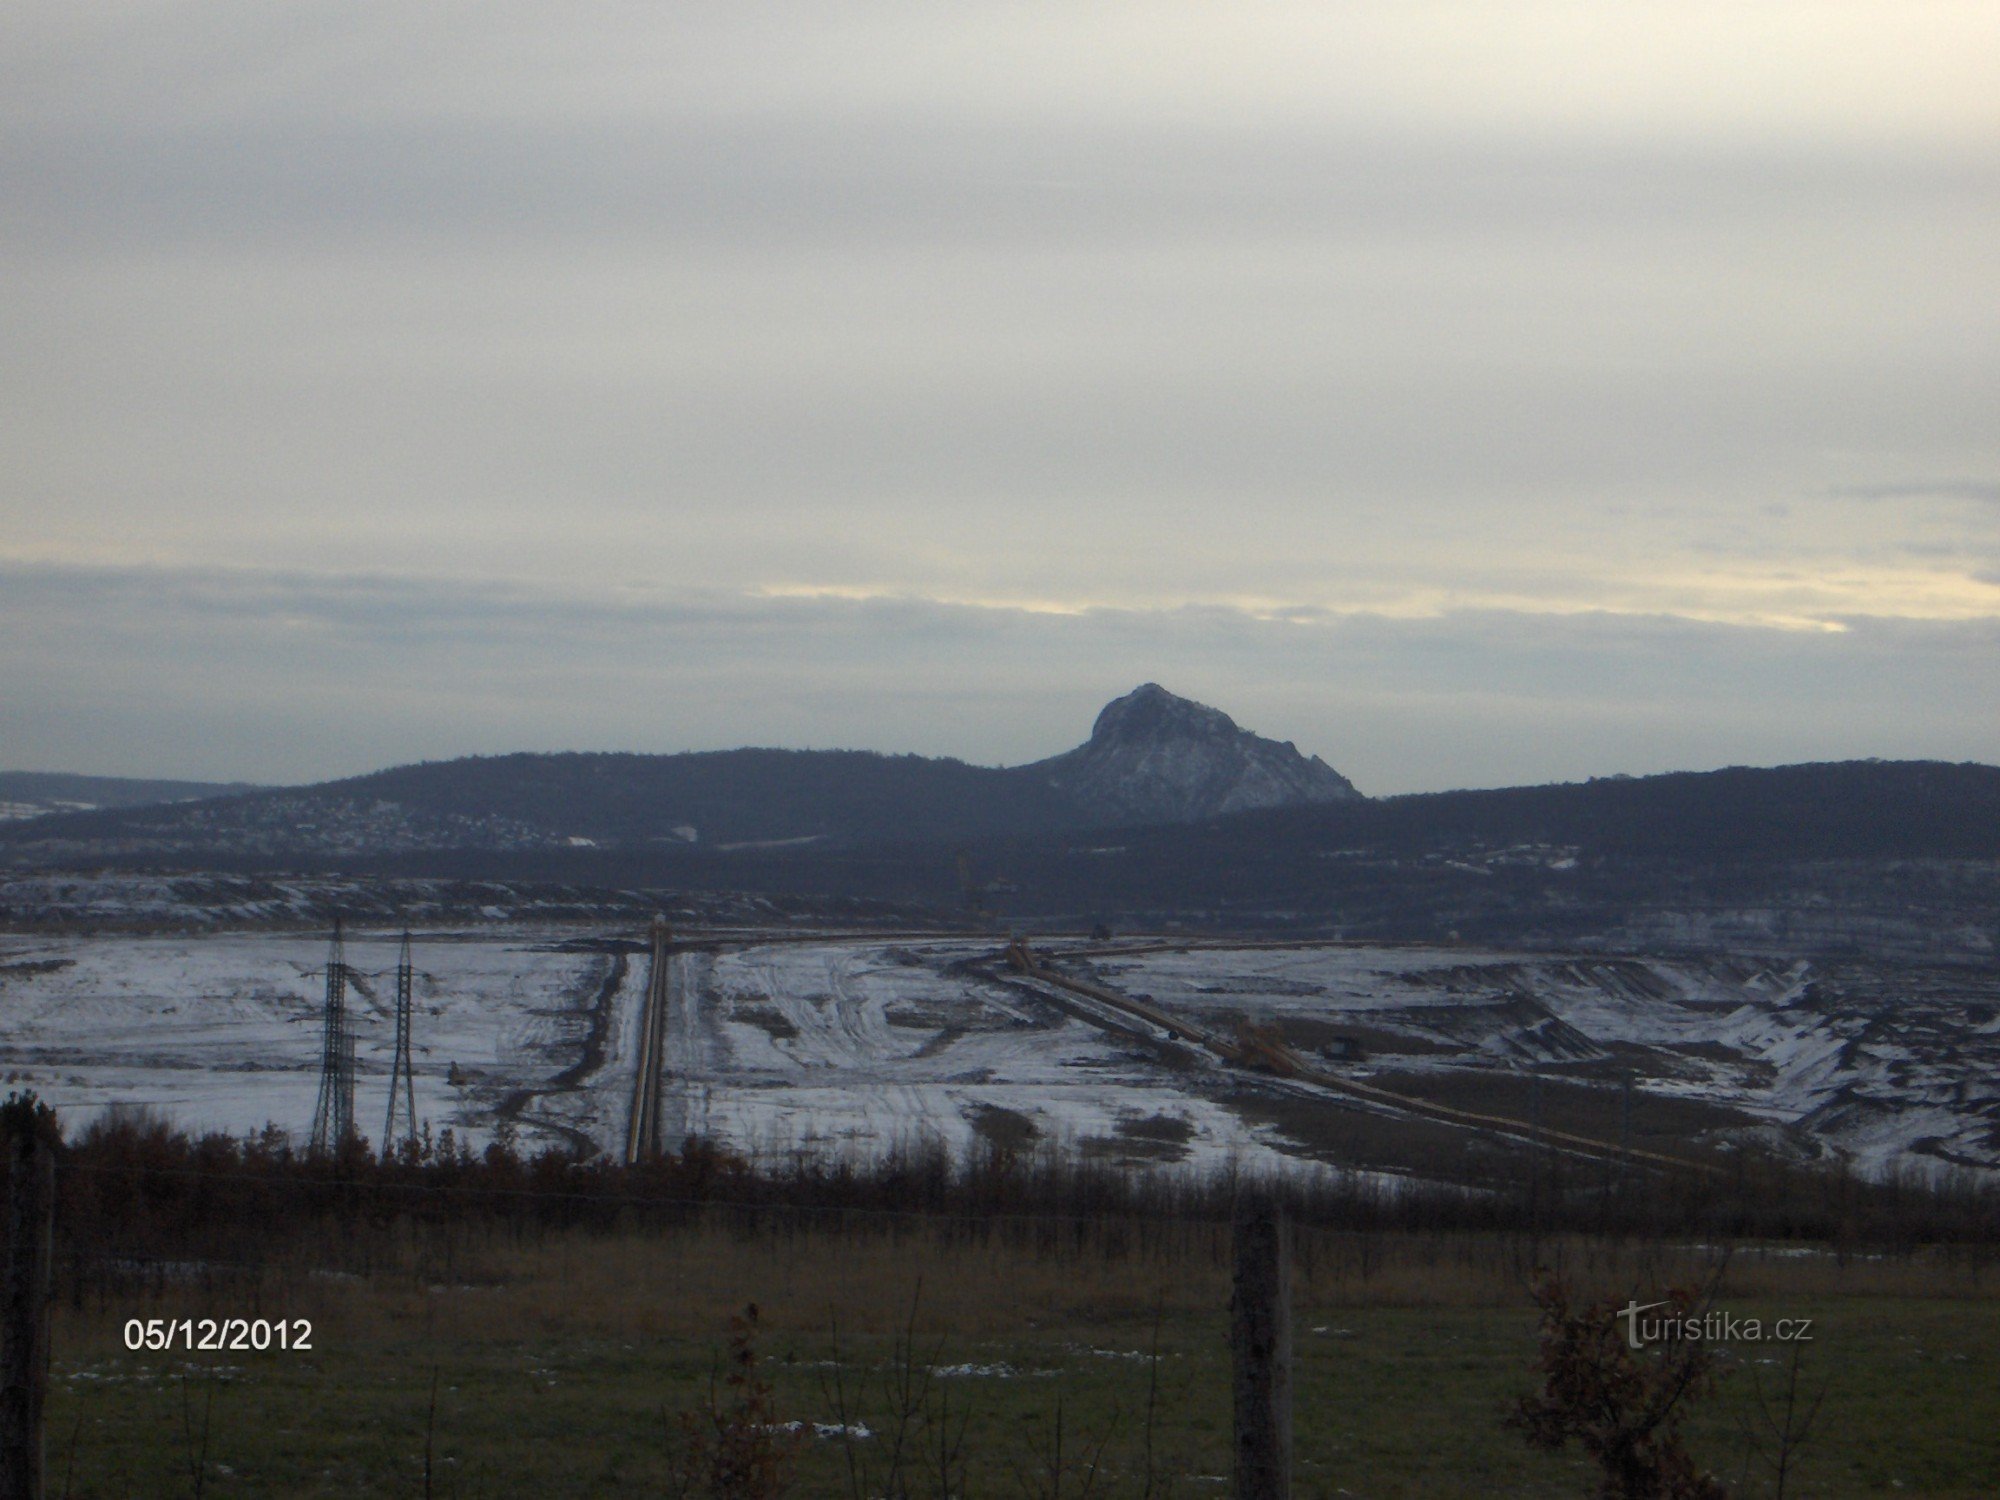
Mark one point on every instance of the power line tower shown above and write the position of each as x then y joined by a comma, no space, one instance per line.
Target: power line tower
401,1072
333,1116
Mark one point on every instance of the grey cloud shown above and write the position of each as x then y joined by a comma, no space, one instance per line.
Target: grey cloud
288,676
1981,490
692,297
868,177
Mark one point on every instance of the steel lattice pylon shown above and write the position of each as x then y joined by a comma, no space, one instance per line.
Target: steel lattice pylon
402,1073
333,1116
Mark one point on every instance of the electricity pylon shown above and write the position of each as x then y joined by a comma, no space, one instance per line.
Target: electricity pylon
402,1073
333,1116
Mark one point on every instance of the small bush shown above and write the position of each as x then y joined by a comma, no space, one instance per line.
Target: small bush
1622,1405
734,1447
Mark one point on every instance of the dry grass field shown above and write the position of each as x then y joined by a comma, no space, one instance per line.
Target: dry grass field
1052,1360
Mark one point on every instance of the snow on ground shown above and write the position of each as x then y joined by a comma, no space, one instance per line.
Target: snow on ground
1878,1061
223,1032
844,1048
850,1046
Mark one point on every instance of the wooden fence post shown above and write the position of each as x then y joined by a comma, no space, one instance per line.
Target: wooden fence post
1260,1337
24,1307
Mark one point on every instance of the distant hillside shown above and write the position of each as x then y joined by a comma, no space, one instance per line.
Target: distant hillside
521,802
727,796
1152,757
1896,859
34,794
1841,811
1557,840
1828,810
1140,826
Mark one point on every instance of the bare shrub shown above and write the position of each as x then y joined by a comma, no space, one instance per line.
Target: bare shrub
733,1447
1622,1405
1784,1419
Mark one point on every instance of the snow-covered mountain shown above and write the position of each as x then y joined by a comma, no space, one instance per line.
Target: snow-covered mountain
1155,757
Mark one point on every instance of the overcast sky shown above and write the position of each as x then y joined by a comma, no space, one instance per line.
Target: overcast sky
1473,394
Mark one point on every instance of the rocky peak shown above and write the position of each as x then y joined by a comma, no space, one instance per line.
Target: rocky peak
1150,712
1153,756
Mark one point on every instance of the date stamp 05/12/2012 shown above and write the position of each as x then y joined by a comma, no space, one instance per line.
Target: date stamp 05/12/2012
231,1334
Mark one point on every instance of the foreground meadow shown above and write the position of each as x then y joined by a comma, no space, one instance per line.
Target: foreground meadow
923,1358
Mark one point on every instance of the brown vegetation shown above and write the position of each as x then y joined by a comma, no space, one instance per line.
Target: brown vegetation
1622,1405
138,1201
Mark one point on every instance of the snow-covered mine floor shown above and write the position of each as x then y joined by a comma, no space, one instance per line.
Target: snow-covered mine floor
847,1046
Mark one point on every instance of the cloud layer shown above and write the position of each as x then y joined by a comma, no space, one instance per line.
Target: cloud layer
1343,359
290,676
